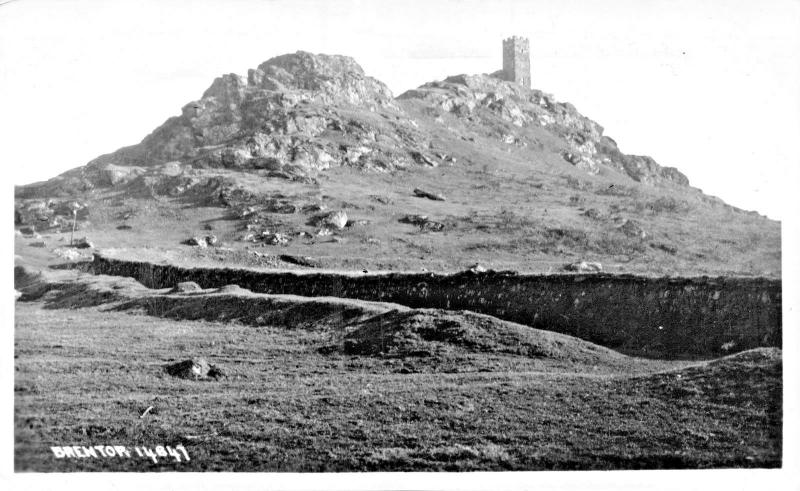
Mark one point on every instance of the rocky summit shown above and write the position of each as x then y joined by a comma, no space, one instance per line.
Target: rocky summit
528,179
489,102
300,113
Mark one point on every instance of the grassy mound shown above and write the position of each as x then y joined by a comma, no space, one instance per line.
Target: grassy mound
428,332
69,289
747,378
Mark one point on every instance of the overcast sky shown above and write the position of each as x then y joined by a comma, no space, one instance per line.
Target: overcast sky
710,87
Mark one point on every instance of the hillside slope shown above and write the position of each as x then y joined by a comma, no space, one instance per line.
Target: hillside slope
310,157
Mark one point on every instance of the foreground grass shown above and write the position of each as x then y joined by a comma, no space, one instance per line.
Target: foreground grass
84,377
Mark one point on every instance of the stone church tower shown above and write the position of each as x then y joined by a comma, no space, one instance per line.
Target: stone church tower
517,60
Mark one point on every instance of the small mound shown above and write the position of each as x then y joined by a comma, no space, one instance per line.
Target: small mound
756,356
186,287
194,369
425,332
749,377
26,276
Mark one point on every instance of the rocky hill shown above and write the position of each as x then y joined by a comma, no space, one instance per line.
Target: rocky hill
312,156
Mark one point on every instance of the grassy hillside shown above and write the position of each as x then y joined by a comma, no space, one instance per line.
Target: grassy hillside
529,183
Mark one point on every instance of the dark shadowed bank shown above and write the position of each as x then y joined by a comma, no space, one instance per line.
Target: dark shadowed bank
665,317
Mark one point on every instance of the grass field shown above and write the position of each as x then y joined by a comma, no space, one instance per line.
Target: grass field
85,376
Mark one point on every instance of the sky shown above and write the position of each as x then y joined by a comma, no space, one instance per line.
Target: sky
708,87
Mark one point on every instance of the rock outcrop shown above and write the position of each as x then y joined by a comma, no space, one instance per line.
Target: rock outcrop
294,114
484,100
299,114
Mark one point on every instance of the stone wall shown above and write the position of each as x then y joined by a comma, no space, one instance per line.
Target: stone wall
673,317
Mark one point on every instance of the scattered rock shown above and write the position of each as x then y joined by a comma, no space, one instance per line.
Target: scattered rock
665,247
68,254
584,267
245,212
426,194
82,243
281,207
115,174
211,240
594,214
337,219
186,287
208,226
632,229
194,369
197,242
476,268
324,232
414,219
423,223
280,175
423,159
275,239
431,226
313,208
357,223
572,158
384,200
